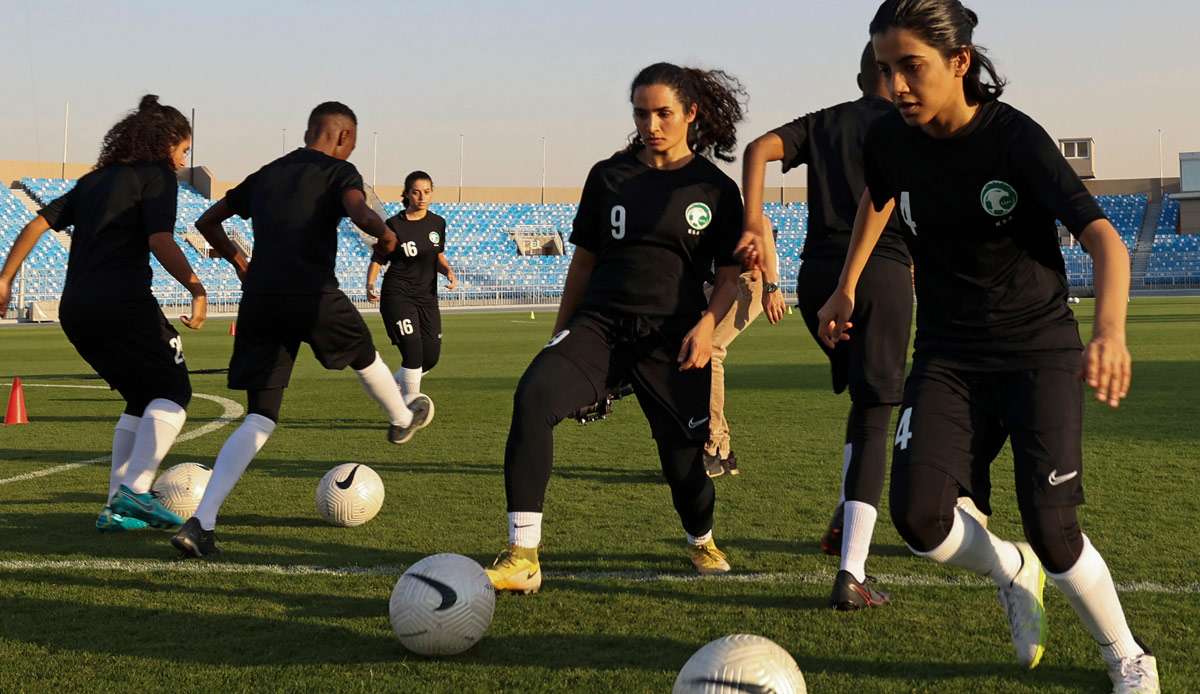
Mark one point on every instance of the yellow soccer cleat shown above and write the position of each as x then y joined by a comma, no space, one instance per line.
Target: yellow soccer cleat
707,559
516,570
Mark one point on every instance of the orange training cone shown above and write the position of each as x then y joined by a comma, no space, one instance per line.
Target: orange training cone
16,405
233,329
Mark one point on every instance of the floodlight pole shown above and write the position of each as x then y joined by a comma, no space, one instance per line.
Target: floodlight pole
375,162
283,143
460,166
543,170
1160,163
66,134
192,153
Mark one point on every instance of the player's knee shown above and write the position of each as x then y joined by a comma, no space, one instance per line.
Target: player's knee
432,356
535,391
922,522
365,356
1055,536
265,403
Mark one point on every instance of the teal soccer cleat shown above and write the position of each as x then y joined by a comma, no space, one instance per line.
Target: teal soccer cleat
146,506
108,522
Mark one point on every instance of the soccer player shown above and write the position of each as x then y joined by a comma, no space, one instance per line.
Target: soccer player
998,353
652,221
290,295
410,304
122,211
757,292
830,142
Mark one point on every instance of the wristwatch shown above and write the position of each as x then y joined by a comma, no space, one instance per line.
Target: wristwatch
770,287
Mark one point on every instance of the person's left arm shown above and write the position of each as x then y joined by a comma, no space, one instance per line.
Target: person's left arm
443,267
696,350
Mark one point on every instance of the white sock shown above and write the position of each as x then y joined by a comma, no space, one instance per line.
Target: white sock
697,541
970,546
239,449
122,447
377,380
847,452
858,526
525,529
156,432
1089,588
410,383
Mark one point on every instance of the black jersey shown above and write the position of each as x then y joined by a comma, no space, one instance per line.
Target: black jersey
656,234
115,210
831,141
991,285
412,270
295,203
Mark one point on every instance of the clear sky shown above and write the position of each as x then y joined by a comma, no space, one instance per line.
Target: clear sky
506,74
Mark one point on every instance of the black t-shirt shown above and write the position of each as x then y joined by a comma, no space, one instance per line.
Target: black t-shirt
412,270
295,203
831,141
991,285
656,234
115,210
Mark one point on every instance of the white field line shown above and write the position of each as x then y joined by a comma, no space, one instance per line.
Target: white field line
232,411
778,578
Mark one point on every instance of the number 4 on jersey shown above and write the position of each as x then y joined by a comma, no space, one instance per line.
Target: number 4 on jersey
903,432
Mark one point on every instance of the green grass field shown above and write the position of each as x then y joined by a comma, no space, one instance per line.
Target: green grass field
295,604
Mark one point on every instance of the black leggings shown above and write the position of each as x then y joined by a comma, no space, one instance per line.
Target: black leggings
868,437
551,389
923,500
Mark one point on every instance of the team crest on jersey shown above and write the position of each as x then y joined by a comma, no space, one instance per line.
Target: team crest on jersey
434,237
998,198
698,216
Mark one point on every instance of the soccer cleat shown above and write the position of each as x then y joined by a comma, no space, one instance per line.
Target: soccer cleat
146,506
109,522
1022,602
849,594
707,559
516,570
422,412
713,466
730,464
1135,675
194,541
968,505
831,541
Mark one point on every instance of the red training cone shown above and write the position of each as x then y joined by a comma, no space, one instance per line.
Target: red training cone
16,405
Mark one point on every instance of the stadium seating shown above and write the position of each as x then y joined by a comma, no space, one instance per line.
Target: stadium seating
485,257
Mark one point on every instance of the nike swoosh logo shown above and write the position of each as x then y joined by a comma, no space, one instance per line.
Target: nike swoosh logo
530,525
1056,479
736,686
415,633
140,504
531,574
449,596
345,484
693,422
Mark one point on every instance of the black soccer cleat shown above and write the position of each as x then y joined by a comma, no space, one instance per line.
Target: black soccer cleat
848,594
194,541
422,414
831,541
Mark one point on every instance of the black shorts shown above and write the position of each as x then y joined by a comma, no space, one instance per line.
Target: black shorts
957,421
415,328
133,348
609,349
270,328
871,362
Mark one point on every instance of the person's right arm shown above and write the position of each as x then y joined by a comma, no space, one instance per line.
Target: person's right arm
759,153
210,226
355,203
372,275
578,274
20,250
833,320
163,246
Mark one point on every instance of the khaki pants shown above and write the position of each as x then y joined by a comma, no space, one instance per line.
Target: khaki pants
746,307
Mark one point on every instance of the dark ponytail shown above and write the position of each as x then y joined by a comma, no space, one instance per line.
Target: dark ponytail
411,180
145,135
720,101
947,26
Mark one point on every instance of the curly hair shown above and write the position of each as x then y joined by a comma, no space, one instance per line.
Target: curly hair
720,101
145,135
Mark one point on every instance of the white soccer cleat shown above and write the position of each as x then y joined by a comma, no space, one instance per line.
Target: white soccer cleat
1022,602
1136,675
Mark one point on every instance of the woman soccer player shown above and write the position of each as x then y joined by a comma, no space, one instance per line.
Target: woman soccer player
652,222
410,304
997,352
122,211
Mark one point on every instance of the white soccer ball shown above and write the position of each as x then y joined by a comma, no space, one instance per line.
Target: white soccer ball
349,495
442,605
182,486
740,663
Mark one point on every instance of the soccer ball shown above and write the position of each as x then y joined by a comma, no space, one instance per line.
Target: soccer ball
181,487
349,495
442,605
740,663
